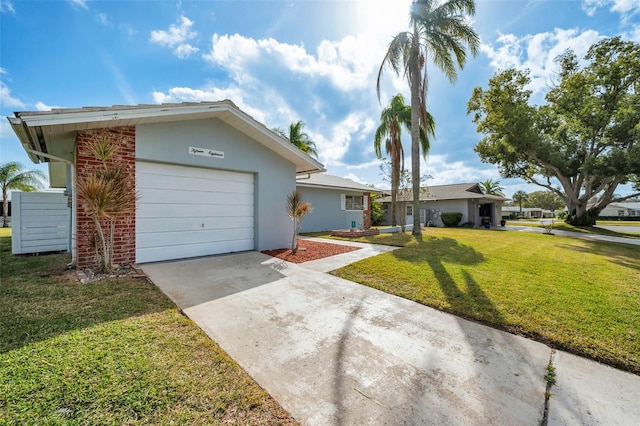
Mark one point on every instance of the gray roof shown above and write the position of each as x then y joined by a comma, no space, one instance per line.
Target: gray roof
458,191
324,180
631,205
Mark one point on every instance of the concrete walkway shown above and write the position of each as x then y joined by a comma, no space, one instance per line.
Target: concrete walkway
582,235
333,352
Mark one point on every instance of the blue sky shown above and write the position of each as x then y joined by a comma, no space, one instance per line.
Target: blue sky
283,61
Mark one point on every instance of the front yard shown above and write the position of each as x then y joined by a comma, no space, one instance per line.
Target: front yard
112,352
576,295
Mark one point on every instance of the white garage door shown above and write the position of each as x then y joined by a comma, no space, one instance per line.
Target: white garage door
189,211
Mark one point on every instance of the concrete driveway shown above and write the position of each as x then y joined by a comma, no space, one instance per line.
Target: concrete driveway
333,352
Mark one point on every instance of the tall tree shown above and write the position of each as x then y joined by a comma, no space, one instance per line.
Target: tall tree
519,197
547,200
14,176
439,31
586,136
392,119
299,137
492,187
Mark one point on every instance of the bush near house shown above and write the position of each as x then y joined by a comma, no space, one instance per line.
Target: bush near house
451,218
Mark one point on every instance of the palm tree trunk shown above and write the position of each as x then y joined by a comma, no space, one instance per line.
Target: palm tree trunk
394,194
5,209
415,137
294,240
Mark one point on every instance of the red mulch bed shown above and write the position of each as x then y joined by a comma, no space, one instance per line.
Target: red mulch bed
310,250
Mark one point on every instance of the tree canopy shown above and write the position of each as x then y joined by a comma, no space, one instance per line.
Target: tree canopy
492,187
299,137
547,200
586,136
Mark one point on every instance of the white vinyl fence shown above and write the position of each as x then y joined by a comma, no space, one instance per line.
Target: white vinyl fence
39,222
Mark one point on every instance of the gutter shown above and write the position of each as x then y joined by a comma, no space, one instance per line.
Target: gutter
47,155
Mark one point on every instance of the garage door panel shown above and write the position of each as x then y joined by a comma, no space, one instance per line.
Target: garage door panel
196,224
162,239
188,211
180,198
194,211
193,250
201,183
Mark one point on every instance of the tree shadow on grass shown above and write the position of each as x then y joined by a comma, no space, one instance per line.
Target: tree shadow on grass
40,300
464,296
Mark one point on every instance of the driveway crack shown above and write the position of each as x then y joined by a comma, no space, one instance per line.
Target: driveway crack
550,378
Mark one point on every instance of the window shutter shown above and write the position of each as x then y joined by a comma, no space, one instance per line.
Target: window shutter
365,202
343,202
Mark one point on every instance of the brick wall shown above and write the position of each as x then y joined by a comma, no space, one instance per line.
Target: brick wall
124,138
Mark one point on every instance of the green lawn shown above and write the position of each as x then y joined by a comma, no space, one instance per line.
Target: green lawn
112,352
576,295
560,225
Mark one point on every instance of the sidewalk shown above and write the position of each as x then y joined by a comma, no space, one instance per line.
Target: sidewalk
582,235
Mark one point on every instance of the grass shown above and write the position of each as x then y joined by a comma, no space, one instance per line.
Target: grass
112,352
576,295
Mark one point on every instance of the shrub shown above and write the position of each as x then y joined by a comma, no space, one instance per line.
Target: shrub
451,218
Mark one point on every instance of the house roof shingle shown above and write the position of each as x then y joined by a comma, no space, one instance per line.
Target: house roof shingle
324,180
458,191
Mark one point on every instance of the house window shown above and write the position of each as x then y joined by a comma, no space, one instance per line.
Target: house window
353,202
409,210
620,212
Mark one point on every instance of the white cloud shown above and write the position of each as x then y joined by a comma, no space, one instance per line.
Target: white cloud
444,172
79,3
128,30
3,71
211,94
626,8
6,6
7,100
176,38
347,63
537,52
103,18
354,178
41,106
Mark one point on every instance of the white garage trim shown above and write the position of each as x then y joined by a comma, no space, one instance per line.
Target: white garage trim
189,211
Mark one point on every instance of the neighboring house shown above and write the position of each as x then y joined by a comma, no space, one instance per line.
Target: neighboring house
622,209
527,212
210,178
466,198
336,203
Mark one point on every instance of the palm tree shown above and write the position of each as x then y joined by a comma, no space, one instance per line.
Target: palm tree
520,197
297,209
440,32
299,137
492,187
392,119
14,176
